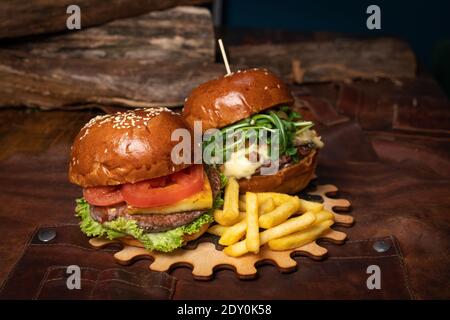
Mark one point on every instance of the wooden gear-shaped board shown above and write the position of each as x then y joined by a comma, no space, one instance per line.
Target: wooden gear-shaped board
207,257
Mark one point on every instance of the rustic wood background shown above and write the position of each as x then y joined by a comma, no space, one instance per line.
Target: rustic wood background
156,58
152,59
340,59
30,17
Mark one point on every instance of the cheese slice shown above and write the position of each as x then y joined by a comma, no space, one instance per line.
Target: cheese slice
202,200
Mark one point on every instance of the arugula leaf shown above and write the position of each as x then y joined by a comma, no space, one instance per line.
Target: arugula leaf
291,151
283,119
294,115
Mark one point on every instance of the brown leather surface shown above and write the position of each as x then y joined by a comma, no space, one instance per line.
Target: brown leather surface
342,275
393,168
41,273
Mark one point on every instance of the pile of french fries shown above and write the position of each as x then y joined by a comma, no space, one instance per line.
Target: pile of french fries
250,221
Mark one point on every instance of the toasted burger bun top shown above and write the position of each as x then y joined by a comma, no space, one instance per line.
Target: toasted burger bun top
220,102
125,148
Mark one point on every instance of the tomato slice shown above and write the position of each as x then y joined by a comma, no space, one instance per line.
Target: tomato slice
103,196
177,186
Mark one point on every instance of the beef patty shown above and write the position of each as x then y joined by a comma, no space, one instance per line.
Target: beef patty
156,222
286,160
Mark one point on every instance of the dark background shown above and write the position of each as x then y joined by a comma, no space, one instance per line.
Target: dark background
425,25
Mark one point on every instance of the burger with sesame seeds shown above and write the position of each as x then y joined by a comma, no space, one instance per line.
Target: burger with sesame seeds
244,106
132,189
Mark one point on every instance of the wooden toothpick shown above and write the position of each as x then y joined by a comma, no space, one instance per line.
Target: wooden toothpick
224,56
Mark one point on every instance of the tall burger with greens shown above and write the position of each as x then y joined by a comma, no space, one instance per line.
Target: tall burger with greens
249,101
132,188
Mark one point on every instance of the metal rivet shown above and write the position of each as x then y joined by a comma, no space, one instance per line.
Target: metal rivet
46,235
381,246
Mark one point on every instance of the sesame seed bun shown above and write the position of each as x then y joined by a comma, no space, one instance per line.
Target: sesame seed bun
220,102
125,148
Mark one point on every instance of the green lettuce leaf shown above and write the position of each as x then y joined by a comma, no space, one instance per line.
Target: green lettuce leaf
161,241
223,179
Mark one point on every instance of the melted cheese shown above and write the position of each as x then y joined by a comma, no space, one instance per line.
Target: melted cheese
308,136
202,200
238,166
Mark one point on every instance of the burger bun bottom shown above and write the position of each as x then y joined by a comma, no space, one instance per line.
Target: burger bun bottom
291,179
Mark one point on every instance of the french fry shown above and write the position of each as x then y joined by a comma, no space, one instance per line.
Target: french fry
280,213
306,236
323,215
236,250
217,230
230,211
278,198
218,214
290,226
234,233
310,206
300,238
252,239
242,205
266,206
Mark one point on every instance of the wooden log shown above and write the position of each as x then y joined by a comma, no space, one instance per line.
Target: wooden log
55,83
340,59
155,58
29,17
178,33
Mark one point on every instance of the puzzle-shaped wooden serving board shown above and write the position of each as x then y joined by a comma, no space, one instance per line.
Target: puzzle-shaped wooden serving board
206,257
